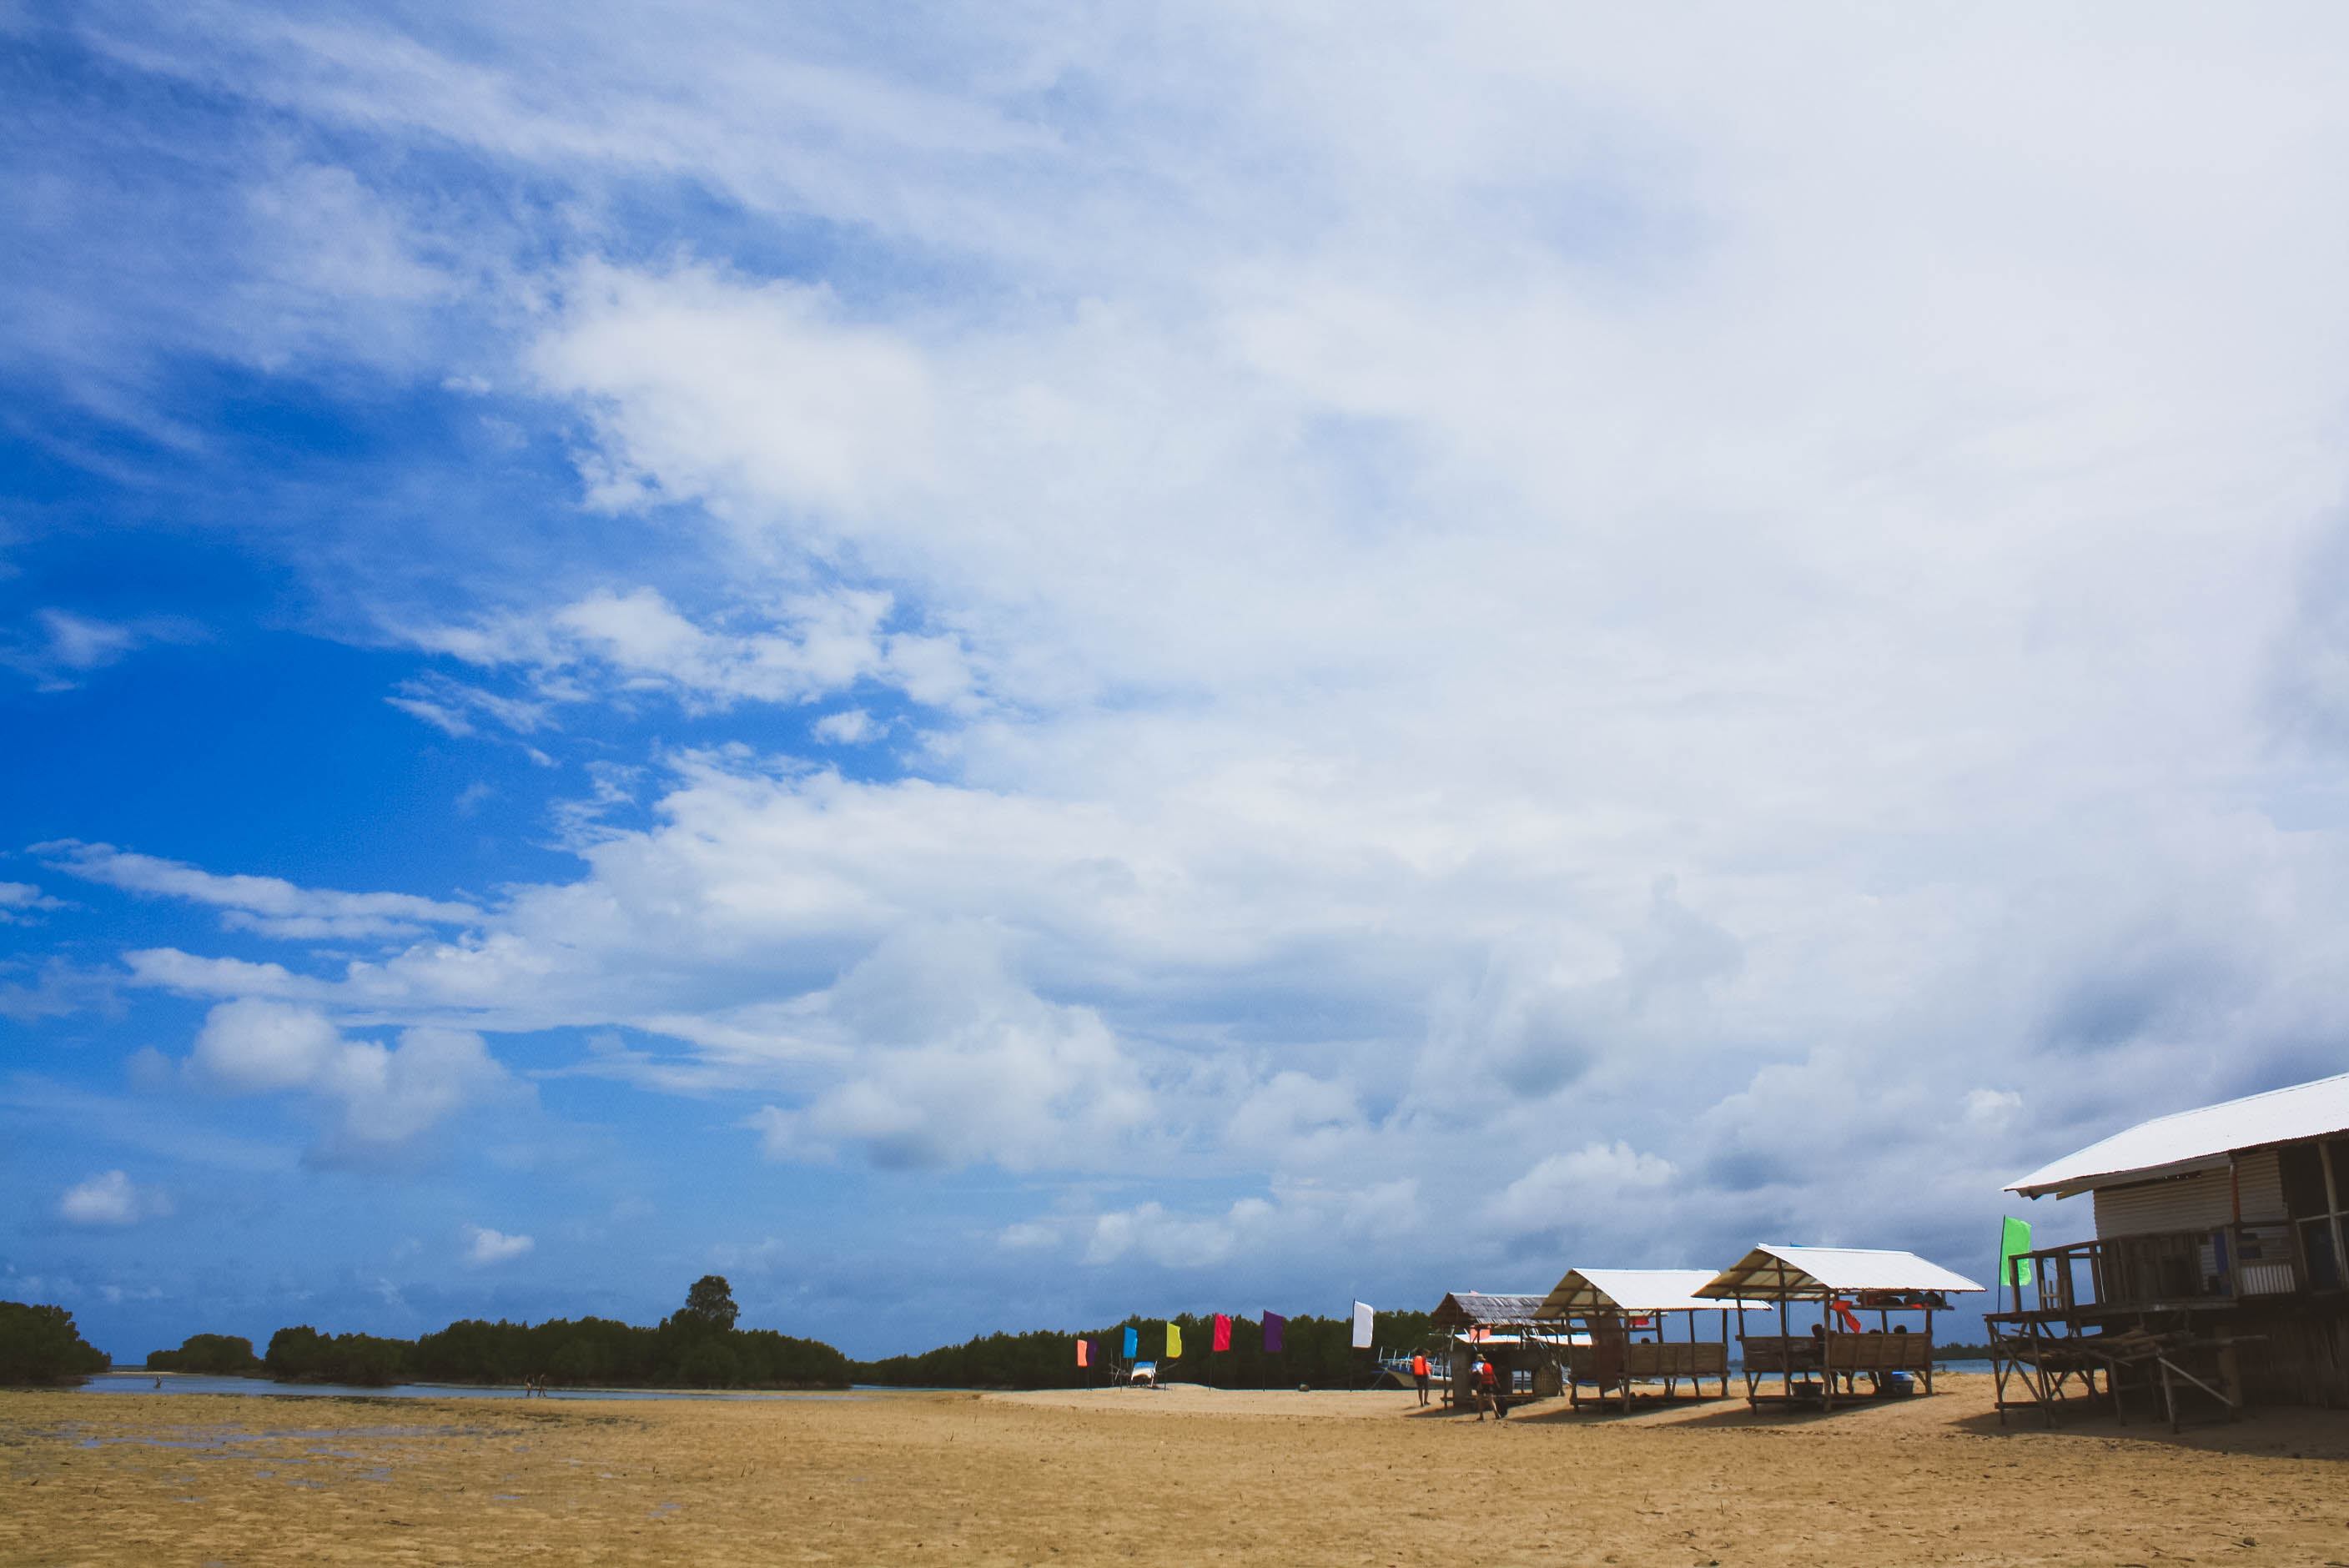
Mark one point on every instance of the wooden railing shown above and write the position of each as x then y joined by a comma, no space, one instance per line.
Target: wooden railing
2229,1263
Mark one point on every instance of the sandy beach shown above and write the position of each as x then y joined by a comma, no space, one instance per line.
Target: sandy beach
1177,1476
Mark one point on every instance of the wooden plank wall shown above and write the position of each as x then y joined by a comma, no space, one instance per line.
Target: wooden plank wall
2303,1358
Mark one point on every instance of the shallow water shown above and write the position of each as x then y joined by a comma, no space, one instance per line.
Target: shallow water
194,1383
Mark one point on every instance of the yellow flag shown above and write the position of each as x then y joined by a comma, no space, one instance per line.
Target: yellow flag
1173,1341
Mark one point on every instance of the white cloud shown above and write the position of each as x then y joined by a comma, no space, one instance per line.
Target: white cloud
850,727
615,647
254,1047
111,1198
269,906
1302,1225
809,410
62,990
20,903
68,646
381,1099
950,1061
484,1246
1474,573
1558,1192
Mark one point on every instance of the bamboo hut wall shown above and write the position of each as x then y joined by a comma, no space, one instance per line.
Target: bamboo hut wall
2295,1353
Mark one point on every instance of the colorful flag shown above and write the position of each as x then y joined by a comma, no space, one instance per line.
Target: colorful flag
1274,1339
1084,1352
1174,1342
2013,1241
1133,1342
1222,1340
1361,1326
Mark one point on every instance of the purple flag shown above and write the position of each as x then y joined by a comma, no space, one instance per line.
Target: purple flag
1273,1326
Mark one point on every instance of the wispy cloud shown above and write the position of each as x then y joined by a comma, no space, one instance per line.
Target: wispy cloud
62,647
269,906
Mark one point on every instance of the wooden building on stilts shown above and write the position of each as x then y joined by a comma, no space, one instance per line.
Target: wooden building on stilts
2219,1276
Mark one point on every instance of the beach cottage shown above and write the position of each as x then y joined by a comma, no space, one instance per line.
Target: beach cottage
1501,1329
1622,1320
1841,1284
2217,1271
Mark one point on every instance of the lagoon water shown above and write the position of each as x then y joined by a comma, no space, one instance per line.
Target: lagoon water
196,1383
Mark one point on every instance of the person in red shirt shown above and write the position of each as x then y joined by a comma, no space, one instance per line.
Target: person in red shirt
1488,1387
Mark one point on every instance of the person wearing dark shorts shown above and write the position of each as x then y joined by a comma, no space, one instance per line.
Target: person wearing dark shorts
1493,1392
1419,1376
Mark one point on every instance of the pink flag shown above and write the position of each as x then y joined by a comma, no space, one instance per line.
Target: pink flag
1222,1340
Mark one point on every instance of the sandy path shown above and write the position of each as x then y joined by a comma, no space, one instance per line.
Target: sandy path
1181,1476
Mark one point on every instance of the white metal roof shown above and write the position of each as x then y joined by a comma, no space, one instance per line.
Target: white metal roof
1772,1271
1629,1290
2197,1140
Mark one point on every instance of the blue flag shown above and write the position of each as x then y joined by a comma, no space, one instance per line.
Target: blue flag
1133,1343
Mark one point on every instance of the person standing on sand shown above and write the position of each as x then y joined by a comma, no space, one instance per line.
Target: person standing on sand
1419,1376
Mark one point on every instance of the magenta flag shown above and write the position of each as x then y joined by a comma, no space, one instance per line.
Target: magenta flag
1222,1340
1273,1326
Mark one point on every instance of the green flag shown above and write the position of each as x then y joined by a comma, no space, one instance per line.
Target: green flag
2014,1241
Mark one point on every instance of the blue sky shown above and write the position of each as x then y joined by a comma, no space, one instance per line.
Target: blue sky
1027,663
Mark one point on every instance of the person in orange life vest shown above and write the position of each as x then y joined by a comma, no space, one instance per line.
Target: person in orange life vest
1491,1386
1419,1375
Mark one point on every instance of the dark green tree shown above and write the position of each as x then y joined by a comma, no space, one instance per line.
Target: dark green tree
222,1354
303,1355
40,1345
710,1304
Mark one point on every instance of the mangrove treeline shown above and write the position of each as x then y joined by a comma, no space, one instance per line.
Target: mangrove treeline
40,1345
696,1347
1317,1352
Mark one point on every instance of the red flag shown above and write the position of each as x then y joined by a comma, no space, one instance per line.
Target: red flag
1222,1340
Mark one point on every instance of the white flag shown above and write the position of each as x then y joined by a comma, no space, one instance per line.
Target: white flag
1361,1326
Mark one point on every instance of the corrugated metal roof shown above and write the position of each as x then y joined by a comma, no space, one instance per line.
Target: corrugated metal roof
1470,1308
2198,1140
1629,1290
1772,1271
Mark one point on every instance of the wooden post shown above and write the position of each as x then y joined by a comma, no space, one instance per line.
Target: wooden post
1827,1354
1929,1358
1785,1353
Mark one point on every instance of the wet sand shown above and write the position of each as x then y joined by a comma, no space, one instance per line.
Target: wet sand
1177,1476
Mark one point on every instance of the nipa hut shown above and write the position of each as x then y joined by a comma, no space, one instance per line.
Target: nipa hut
1608,1310
1839,1283
1501,1329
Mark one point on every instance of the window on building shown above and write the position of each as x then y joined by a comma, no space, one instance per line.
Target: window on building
2316,1195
